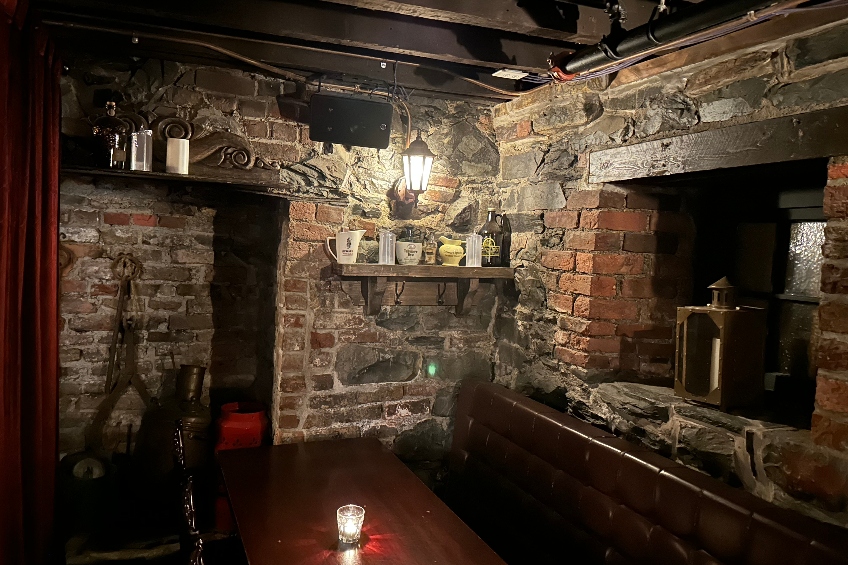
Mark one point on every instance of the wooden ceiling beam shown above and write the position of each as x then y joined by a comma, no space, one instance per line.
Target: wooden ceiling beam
790,138
580,21
327,23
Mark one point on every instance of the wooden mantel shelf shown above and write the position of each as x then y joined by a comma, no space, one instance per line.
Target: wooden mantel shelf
255,186
375,279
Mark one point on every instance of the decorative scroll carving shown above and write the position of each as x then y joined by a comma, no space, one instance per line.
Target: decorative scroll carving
222,149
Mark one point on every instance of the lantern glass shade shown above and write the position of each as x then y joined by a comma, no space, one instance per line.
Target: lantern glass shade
417,164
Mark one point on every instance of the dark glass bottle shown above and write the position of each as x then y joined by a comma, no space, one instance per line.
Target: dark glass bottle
506,243
492,240
111,133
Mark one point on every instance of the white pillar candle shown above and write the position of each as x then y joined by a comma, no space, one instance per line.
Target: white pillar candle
176,159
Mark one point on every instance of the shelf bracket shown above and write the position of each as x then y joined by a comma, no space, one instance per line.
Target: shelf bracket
373,289
465,291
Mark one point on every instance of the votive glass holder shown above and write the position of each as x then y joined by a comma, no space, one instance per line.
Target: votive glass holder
350,519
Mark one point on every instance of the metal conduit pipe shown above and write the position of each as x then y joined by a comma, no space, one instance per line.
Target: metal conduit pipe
668,29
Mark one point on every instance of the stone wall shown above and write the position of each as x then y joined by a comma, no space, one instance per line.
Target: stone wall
206,294
338,373
603,266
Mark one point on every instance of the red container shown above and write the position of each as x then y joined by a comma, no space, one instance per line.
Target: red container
241,424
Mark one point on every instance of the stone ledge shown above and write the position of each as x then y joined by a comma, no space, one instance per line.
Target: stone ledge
778,463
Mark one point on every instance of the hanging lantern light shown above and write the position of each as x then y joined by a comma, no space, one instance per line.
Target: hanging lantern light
417,164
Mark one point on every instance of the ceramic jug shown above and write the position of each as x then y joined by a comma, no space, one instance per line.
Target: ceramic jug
451,251
347,246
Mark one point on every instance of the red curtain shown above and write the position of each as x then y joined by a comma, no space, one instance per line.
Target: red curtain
29,321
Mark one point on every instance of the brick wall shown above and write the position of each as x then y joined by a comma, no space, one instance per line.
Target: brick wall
337,372
603,266
830,420
611,287
206,294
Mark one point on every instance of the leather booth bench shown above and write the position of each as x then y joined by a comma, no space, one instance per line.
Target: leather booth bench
540,487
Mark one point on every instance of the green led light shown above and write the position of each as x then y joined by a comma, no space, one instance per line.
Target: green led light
431,369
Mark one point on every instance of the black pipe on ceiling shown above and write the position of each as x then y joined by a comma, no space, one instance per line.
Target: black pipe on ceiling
669,28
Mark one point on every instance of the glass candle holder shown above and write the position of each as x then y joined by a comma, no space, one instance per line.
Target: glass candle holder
350,519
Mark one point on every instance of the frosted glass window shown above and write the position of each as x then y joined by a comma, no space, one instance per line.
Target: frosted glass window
804,263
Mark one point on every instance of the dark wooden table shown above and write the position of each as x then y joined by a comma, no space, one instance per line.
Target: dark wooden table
285,498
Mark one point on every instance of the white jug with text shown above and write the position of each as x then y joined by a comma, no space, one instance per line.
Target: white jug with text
347,246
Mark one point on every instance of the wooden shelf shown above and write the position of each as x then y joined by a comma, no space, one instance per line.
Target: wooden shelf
256,187
375,280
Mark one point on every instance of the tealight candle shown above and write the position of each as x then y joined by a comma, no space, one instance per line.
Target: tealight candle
350,519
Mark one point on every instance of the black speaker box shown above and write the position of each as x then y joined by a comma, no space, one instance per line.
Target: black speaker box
350,121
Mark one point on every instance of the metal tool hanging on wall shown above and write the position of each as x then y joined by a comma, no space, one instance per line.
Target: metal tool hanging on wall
126,268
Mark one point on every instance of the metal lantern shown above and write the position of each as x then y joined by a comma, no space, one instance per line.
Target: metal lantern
417,164
720,350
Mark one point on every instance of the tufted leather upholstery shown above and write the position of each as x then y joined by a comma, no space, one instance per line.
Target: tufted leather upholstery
543,487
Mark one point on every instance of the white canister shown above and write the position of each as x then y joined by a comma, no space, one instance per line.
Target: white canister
408,252
176,159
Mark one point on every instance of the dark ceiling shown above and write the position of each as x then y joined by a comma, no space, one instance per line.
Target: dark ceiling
417,44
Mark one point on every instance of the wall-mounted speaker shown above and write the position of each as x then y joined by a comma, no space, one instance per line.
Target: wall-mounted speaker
350,121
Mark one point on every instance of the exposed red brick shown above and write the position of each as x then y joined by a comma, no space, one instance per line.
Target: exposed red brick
116,219
603,345
256,128
172,222
295,285
650,243
292,321
329,214
288,421
832,394
292,384
147,220
648,288
309,232
523,129
291,361
322,340
321,382
591,285
560,302
609,264
85,250
104,289
434,195
562,219
579,358
349,336
77,306
833,317
645,331
835,242
611,220
836,201
561,260
290,403
834,279
284,131
408,407
605,309
589,199
592,241
302,211
71,286
369,226
830,431
837,171
296,302
444,181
